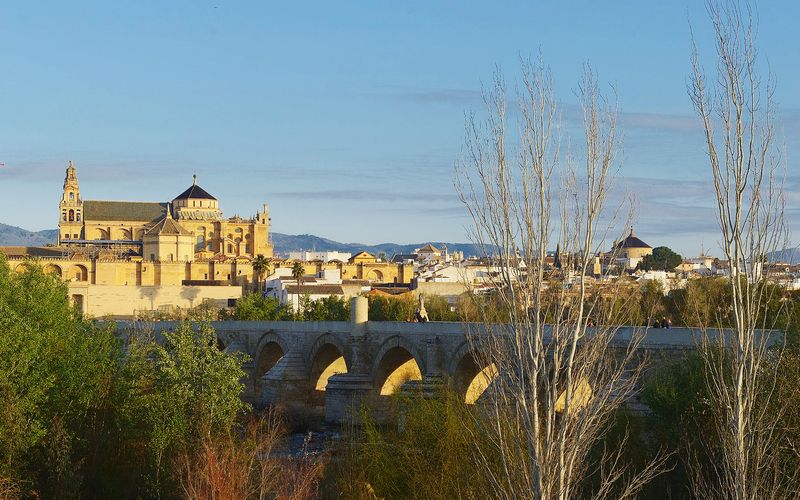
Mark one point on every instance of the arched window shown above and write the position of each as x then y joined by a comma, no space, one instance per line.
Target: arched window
78,216
71,214
64,215
201,239
71,196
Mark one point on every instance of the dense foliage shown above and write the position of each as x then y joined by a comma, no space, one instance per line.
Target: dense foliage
56,380
662,259
255,307
85,414
426,452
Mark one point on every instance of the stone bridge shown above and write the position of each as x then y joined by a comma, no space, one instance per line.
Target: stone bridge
330,367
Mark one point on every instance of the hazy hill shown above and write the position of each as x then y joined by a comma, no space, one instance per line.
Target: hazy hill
16,236
790,255
284,243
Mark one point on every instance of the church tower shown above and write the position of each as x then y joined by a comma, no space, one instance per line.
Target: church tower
70,208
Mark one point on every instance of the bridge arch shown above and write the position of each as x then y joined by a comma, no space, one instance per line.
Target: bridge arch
269,351
396,362
320,353
471,373
328,356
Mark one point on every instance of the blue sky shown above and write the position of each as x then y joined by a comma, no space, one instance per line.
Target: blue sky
346,117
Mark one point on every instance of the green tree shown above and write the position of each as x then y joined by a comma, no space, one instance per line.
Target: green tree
261,266
439,309
431,455
383,308
702,302
181,392
662,259
255,307
298,271
651,300
331,308
55,375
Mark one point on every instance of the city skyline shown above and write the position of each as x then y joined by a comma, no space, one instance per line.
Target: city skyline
268,103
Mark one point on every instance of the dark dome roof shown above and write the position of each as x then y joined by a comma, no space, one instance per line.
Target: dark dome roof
632,242
195,192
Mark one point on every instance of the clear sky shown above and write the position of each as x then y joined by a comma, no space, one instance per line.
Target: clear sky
346,117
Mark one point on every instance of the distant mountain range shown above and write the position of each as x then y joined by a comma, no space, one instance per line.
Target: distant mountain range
284,243
790,255
16,236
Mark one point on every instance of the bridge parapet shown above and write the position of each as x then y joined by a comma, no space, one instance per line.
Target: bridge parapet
331,367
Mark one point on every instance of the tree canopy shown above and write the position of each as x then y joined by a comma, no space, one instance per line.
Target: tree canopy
662,259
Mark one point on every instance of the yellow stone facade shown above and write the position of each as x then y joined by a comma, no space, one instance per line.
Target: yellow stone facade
120,258
373,271
195,212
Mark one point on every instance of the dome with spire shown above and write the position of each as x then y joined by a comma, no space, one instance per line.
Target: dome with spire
632,242
196,204
195,192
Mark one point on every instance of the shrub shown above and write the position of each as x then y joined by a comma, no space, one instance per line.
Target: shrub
255,307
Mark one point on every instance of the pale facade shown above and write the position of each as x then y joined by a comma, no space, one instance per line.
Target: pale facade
120,258
198,230
630,251
325,256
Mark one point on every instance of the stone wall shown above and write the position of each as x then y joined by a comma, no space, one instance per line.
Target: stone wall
120,300
287,359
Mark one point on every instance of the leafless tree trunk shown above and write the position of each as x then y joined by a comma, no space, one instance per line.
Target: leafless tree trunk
738,115
559,380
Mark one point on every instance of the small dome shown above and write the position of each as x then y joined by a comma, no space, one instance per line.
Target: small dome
632,242
194,192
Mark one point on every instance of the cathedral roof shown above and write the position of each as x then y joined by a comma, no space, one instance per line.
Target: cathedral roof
632,242
428,249
123,210
195,192
167,227
31,252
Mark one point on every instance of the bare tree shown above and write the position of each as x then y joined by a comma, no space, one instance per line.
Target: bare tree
737,110
559,380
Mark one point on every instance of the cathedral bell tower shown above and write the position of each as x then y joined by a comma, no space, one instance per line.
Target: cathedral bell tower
70,219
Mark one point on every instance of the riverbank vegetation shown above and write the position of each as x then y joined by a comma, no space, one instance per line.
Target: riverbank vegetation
85,414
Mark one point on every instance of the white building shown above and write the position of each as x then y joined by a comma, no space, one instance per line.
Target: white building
328,282
325,256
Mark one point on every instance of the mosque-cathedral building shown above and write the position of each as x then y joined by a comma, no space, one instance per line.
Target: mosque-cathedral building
121,258
190,227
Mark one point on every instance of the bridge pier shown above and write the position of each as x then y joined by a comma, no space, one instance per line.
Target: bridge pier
346,393
286,385
298,365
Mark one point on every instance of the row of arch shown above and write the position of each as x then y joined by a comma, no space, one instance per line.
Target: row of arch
75,272
398,362
237,242
71,215
120,233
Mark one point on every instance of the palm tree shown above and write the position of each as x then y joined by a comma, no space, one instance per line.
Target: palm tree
261,266
297,273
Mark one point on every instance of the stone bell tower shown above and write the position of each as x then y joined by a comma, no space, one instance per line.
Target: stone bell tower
70,219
